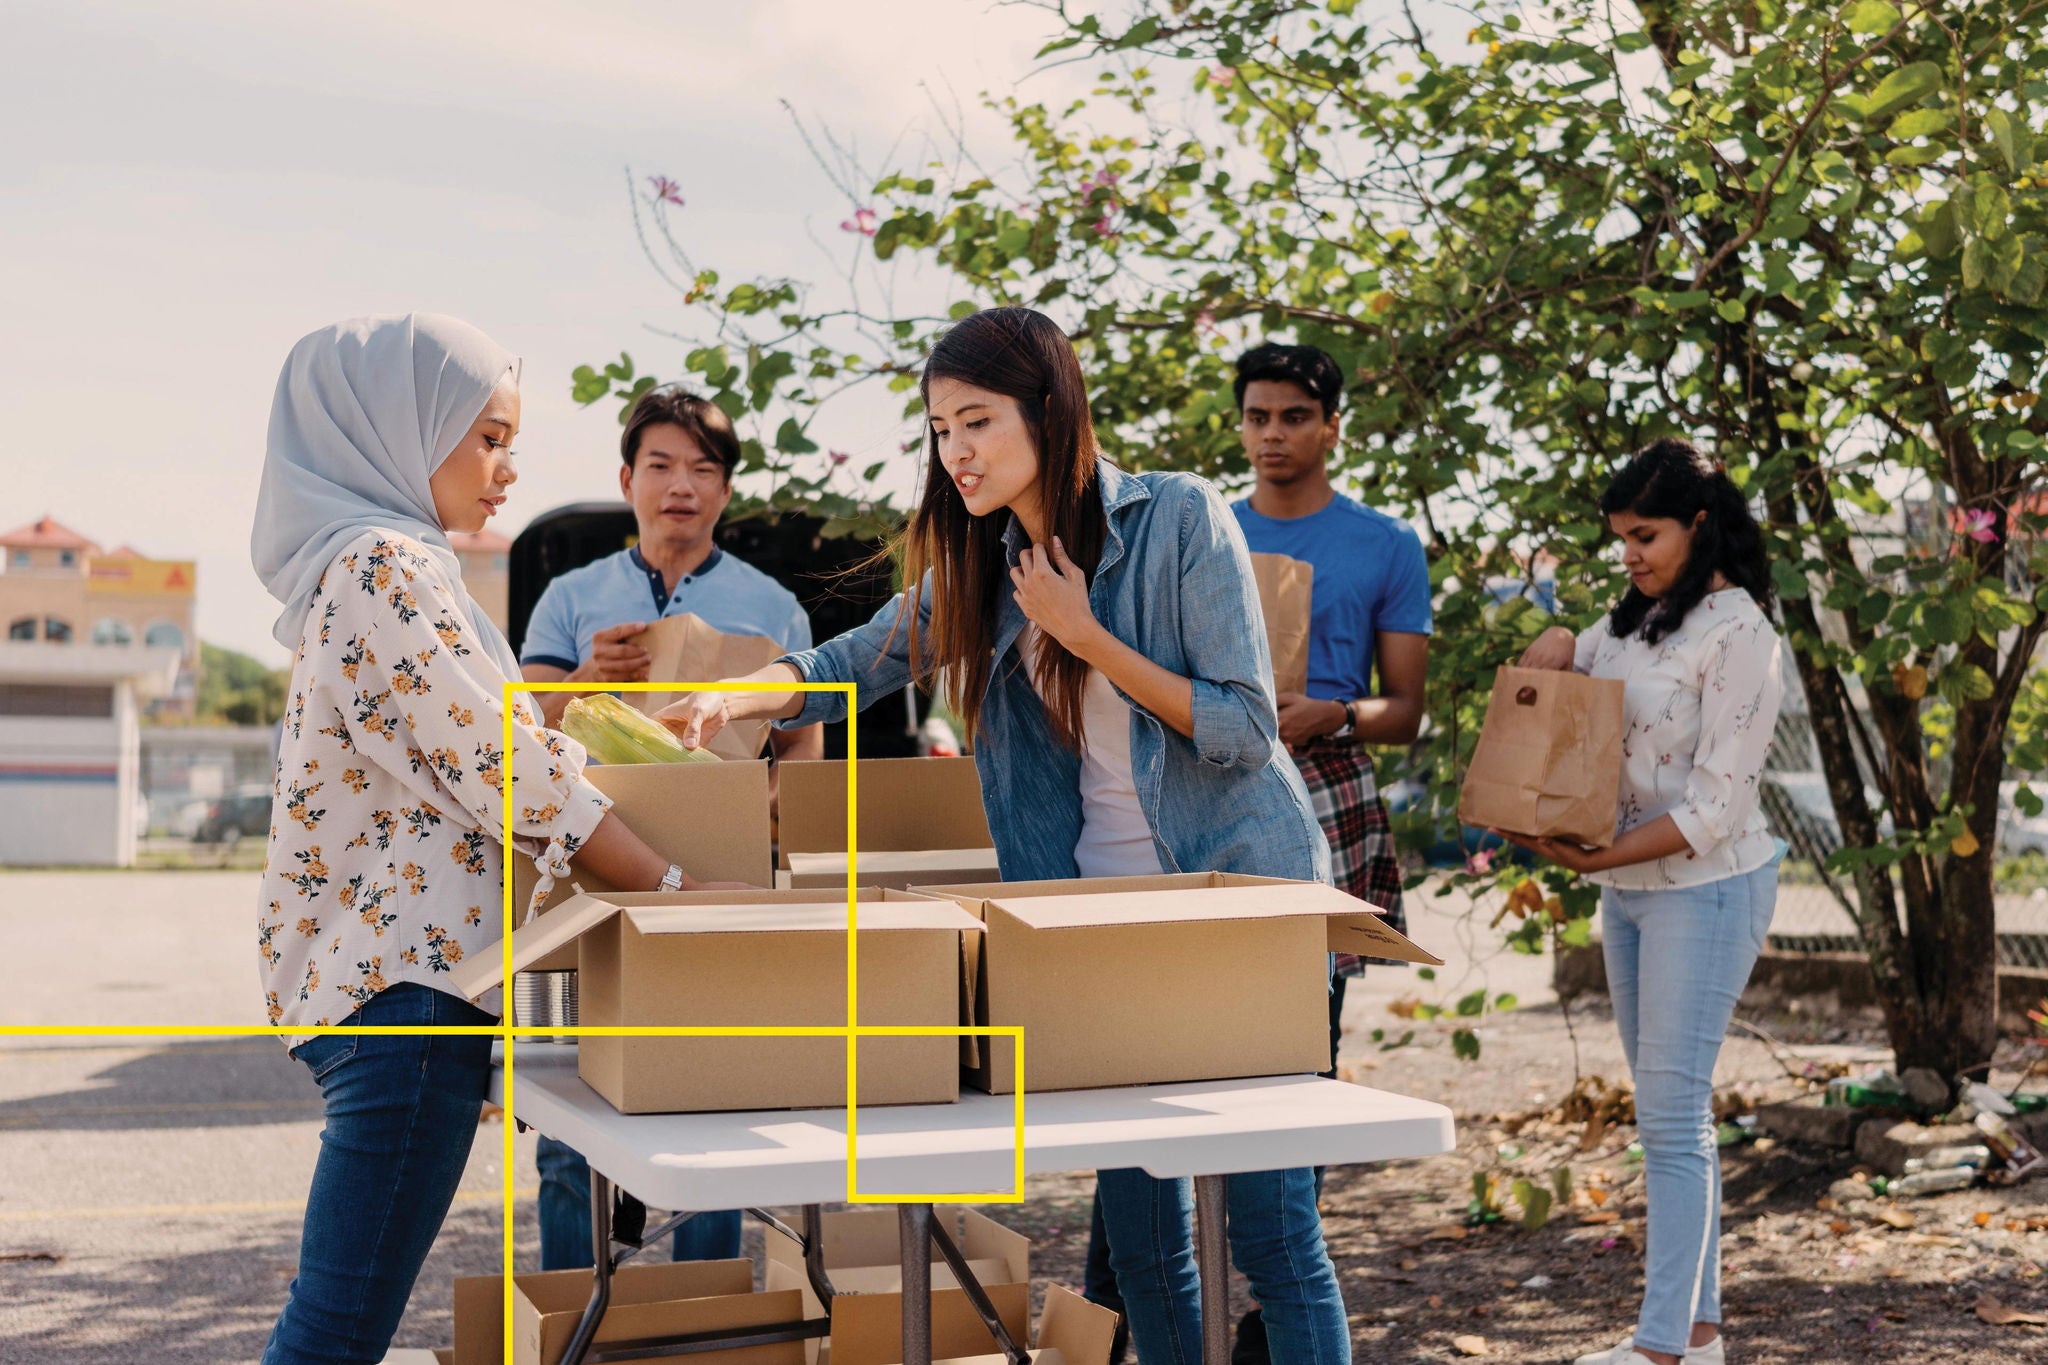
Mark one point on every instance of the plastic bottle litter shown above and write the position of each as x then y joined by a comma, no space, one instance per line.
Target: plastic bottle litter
1934,1182
2018,1156
1976,1156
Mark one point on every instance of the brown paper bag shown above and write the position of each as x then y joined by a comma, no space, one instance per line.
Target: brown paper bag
1548,763
684,649
1284,588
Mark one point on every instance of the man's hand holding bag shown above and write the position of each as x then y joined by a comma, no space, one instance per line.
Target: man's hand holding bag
1548,762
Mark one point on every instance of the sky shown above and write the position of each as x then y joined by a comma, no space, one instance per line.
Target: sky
186,190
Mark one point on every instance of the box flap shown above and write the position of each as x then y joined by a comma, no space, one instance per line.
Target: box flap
905,803
484,969
892,860
1082,1332
1370,936
1284,900
797,918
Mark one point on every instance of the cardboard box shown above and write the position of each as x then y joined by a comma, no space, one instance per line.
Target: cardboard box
1138,980
921,820
647,1301
895,870
710,819
749,959
862,1255
1071,1331
686,649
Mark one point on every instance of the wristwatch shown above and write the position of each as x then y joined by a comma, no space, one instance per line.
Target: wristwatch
1350,725
672,880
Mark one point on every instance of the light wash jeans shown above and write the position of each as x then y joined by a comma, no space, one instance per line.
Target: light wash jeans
1276,1239
1677,961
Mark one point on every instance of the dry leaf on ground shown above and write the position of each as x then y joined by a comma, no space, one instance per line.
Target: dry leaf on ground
1471,1346
1998,1313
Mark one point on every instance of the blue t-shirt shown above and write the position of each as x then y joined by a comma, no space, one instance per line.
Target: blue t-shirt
727,594
1370,576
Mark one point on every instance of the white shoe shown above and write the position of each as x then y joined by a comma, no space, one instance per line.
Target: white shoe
1714,1352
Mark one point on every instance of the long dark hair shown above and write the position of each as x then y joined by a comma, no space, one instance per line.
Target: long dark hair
1671,478
1024,355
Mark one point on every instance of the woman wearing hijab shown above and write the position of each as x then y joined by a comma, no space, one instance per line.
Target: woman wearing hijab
384,867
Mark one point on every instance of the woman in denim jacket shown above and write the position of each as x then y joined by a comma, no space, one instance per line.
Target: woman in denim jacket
1097,632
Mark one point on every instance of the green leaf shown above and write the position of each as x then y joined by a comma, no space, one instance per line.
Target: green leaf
2000,124
2029,801
1534,1201
1994,208
1731,310
586,385
1907,85
1472,1004
1976,263
1871,16
1426,974
1789,581
1938,228
1918,123
1506,1000
1465,1045
1961,682
790,439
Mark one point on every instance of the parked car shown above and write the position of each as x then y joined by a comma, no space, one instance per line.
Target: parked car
243,813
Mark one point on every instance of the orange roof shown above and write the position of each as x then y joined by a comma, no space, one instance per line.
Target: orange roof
479,542
124,552
46,534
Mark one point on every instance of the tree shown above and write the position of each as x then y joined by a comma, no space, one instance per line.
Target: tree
235,689
1816,238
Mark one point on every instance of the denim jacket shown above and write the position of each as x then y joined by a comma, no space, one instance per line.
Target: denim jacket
1174,583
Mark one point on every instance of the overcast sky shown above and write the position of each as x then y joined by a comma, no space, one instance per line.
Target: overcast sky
187,189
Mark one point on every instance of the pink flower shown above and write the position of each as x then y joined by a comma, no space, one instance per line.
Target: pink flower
665,190
1980,525
1481,862
1205,322
1101,180
1104,227
1222,76
838,457
863,222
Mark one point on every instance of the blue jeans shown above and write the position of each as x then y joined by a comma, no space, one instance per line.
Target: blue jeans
1276,1239
565,1216
401,1115
1677,961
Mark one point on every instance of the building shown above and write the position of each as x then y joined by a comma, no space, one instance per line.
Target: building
70,764
59,588
486,570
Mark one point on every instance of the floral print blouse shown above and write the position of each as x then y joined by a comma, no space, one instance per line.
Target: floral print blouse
389,800
1698,712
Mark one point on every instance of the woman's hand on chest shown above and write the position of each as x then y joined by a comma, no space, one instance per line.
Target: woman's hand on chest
1053,595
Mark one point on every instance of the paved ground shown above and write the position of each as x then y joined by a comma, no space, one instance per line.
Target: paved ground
150,1189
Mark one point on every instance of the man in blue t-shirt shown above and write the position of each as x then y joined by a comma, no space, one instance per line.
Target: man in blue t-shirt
680,453
1369,614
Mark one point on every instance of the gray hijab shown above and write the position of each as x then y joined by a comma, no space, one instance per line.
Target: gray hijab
366,410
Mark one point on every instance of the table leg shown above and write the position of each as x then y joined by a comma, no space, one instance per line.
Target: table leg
601,1286
1212,1264
914,1245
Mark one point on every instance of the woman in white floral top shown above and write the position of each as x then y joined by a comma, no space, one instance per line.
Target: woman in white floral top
384,867
1692,876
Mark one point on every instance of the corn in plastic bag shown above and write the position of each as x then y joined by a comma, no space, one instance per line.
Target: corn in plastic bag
614,732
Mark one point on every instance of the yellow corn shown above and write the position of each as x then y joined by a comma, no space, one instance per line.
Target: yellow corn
614,732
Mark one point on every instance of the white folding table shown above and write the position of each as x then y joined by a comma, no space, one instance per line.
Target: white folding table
1206,1130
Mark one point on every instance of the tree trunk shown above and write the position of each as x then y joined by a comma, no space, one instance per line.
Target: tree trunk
1955,1029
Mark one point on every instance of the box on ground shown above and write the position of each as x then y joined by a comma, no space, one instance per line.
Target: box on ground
863,1259
647,1301
1071,1331
921,820
1137,980
751,959
710,819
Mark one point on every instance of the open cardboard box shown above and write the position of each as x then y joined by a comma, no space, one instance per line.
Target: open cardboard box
647,1301
1138,980
1071,1331
710,819
921,820
738,959
862,1257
